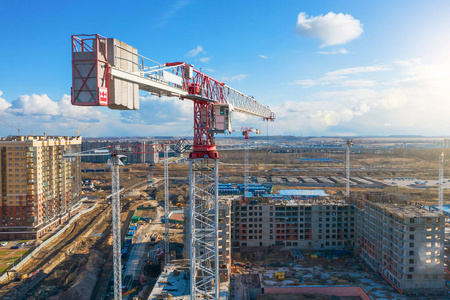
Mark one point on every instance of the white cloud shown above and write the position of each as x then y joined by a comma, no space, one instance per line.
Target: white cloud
34,105
205,59
331,29
356,70
170,13
337,51
4,105
195,52
415,103
263,56
358,83
235,78
167,111
41,106
335,81
80,113
306,82
409,62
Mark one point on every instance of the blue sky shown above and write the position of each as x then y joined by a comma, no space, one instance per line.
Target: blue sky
325,67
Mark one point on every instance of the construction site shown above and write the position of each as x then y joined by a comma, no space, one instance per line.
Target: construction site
169,218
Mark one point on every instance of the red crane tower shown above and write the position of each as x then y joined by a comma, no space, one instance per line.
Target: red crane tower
107,72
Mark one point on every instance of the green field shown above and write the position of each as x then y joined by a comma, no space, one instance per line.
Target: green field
6,262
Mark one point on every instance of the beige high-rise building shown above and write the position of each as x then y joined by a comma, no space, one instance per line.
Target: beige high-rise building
39,189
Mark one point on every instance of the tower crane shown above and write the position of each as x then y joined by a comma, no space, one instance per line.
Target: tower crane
107,72
118,158
441,181
86,128
18,127
349,143
245,132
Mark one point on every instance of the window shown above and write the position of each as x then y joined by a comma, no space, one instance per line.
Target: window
411,220
429,228
428,253
437,236
437,253
428,261
411,261
428,244
428,236
411,252
438,260
411,228
411,236
411,269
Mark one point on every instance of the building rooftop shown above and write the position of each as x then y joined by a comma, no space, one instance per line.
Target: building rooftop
177,217
23,138
308,193
408,211
276,200
175,280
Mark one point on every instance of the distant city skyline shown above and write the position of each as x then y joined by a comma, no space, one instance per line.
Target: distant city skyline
334,68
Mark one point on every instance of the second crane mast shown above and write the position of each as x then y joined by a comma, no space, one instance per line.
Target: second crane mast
107,72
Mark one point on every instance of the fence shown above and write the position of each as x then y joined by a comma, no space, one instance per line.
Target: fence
49,240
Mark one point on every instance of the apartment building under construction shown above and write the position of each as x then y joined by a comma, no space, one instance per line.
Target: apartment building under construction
150,156
38,188
403,242
312,224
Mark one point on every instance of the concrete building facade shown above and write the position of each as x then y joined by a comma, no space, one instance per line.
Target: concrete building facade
305,224
38,188
151,157
404,243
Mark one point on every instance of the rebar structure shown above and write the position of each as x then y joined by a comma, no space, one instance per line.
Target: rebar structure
204,219
246,171
166,206
441,181
347,169
116,227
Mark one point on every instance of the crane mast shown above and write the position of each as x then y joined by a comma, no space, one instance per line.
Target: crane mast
166,206
245,133
115,184
107,72
441,181
347,168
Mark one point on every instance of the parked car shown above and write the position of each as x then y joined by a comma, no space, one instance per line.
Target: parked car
4,243
15,247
